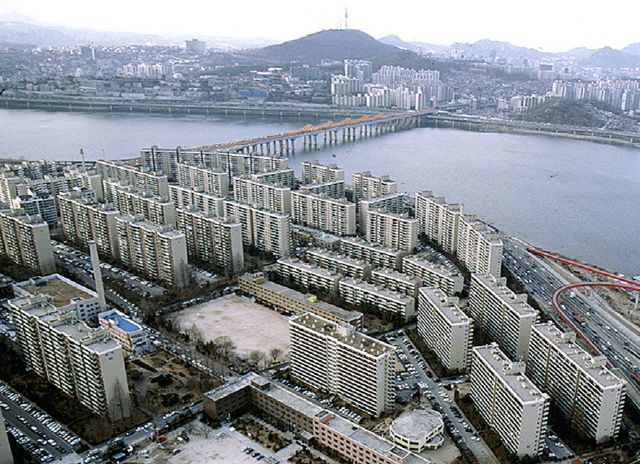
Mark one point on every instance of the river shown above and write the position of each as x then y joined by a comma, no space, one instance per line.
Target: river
577,198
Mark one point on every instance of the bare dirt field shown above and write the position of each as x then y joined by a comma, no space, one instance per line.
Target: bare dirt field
250,325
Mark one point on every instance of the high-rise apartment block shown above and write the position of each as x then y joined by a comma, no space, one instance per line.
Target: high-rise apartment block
80,361
336,216
342,264
338,359
37,204
581,385
262,195
438,220
372,253
396,231
158,252
367,186
185,198
479,249
445,328
25,240
149,182
210,181
508,401
129,200
506,317
263,229
285,177
332,189
395,281
308,275
444,276
315,173
84,220
361,294
390,203
212,240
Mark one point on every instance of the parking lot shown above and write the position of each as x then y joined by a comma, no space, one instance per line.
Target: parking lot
34,430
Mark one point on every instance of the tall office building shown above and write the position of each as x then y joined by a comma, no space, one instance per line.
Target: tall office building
367,186
445,328
211,239
26,241
336,216
337,359
396,231
81,361
158,252
506,317
581,385
438,220
479,250
508,401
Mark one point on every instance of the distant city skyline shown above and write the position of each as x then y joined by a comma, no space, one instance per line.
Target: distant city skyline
546,25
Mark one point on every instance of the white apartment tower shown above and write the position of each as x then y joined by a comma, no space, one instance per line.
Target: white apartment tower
210,181
262,195
438,220
315,173
508,401
396,231
506,317
367,186
581,385
26,241
445,328
338,359
479,249
336,216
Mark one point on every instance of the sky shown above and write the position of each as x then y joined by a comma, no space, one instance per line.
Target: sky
546,25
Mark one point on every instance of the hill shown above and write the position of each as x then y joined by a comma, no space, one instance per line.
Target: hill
564,112
609,58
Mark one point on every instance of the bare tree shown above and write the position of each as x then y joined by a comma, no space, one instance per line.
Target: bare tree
225,347
274,354
256,358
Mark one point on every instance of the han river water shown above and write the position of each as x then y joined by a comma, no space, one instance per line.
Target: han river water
578,198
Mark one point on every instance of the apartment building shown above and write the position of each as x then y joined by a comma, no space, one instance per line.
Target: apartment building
337,359
186,198
150,182
508,401
295,412
62,293
331,188
82,362
26,241
129,335
390,203
285,177
130,200
581,385
479,250
367,186
84,220
395,281
306,236
211,239
336,216
372,253
157,252
506,317
438,220
308,276
444,276
263,229
315,173
445,328
210,181
292,302
36,204
342,264
262,195
397,231
362,294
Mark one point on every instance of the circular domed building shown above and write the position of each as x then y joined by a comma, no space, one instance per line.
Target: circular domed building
418,430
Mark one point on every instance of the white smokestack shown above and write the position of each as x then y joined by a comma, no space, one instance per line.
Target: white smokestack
97,274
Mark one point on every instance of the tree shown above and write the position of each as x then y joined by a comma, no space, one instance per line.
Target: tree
256,358
274,354
225,347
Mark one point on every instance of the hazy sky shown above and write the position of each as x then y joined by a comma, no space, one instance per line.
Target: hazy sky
548,25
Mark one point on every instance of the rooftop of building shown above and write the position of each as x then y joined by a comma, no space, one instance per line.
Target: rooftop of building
119,320
392,273
343,333
338,257
417,424
312,268
498,287
58,290
361,242
595,367
511,373
378,291
449,306
434,262
384,197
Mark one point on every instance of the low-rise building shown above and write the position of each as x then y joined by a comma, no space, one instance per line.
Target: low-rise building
342,264
123,330
446,277
308,275
418,430
395,281
372,253
362,294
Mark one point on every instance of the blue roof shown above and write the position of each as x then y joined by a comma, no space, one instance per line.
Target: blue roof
122,322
